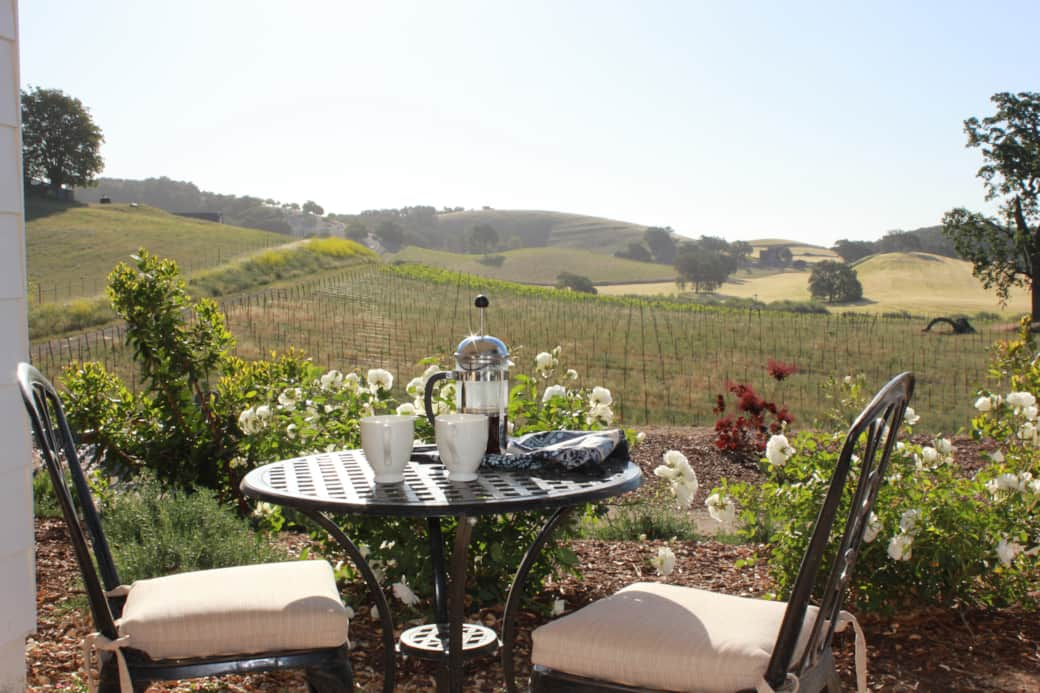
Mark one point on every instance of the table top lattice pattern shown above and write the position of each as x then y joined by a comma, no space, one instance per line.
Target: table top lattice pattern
343,481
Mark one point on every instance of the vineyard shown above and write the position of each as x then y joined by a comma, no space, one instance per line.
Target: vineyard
665,362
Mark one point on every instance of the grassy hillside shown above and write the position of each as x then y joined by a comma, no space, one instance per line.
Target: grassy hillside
71,248
542,265
919,283
538,228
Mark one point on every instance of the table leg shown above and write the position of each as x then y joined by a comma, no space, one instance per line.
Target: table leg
374,588
516,591
457,601
440,581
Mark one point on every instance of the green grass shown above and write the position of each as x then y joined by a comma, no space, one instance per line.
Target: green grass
542,265
304,258
71,248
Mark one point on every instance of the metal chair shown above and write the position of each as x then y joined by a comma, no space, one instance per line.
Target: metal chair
240,620
653,637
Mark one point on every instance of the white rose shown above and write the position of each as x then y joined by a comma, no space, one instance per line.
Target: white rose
910,417
406,409
664,561
554,391
984,403
900,547
872,529
778,450
543,361
380,379
1006,551
600,395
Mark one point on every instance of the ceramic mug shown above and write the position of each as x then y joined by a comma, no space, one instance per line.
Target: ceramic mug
387,442
461,442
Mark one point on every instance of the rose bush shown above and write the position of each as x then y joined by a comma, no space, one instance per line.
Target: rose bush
938,535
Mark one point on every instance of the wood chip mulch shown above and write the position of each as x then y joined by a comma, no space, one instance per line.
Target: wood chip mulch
933,650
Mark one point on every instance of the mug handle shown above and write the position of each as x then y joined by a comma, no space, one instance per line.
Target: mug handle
428,395
387,460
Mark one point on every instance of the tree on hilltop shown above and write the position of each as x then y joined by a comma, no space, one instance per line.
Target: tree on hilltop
1004,250
60,141
356,231
482,238
661,244
312,207
835,282
390,235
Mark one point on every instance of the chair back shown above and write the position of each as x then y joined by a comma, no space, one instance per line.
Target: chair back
863,460
58,448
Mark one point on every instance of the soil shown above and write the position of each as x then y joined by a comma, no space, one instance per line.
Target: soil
928,650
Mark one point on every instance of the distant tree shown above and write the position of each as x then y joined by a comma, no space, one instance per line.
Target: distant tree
834,282
850,251
60,141
776,256
634,251
482,238
390,235
741,251
1005,250
899,242
661,244
705,269
356,231
575,282
312,207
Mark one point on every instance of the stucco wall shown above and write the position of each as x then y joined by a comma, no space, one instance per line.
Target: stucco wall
17,581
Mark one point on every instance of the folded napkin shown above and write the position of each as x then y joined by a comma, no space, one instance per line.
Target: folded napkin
567,450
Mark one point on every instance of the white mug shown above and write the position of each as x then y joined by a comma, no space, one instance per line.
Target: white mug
461,442
387,442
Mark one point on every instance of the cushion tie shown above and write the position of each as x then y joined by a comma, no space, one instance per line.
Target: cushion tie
118,591
844,619
100,642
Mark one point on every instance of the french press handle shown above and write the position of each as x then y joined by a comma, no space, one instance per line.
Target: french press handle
428,395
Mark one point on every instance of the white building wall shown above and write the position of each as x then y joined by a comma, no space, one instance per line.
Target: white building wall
17,579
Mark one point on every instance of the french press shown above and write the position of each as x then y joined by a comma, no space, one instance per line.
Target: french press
482,373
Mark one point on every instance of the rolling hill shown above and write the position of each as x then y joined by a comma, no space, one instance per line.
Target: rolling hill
523,228
71,248
918,283
541,265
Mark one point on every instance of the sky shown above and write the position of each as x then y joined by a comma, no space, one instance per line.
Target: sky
746,120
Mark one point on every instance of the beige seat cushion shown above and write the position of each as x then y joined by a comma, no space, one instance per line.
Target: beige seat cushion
666,637
243,610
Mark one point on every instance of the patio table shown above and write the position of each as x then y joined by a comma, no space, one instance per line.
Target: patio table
341,482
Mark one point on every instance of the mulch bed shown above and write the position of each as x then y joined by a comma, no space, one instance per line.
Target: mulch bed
929,650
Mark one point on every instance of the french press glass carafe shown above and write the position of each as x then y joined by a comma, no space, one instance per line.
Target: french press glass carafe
482,373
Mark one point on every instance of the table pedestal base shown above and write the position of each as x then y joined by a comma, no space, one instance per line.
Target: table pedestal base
430,641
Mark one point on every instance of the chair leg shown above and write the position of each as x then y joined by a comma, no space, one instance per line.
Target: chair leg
108,677
331,678
833,681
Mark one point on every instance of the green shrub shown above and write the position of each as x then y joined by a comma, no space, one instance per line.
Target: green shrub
641,522
45,503
492,260
56,318
155,532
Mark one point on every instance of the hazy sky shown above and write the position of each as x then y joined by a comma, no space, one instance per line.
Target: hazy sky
811,121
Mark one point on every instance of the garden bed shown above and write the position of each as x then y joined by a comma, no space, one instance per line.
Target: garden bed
966,650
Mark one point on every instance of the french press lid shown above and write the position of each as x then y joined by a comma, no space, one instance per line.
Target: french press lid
481,350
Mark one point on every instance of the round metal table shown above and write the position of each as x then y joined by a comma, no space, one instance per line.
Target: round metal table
342,483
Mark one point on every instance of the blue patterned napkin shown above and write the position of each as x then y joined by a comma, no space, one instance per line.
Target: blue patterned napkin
581,451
